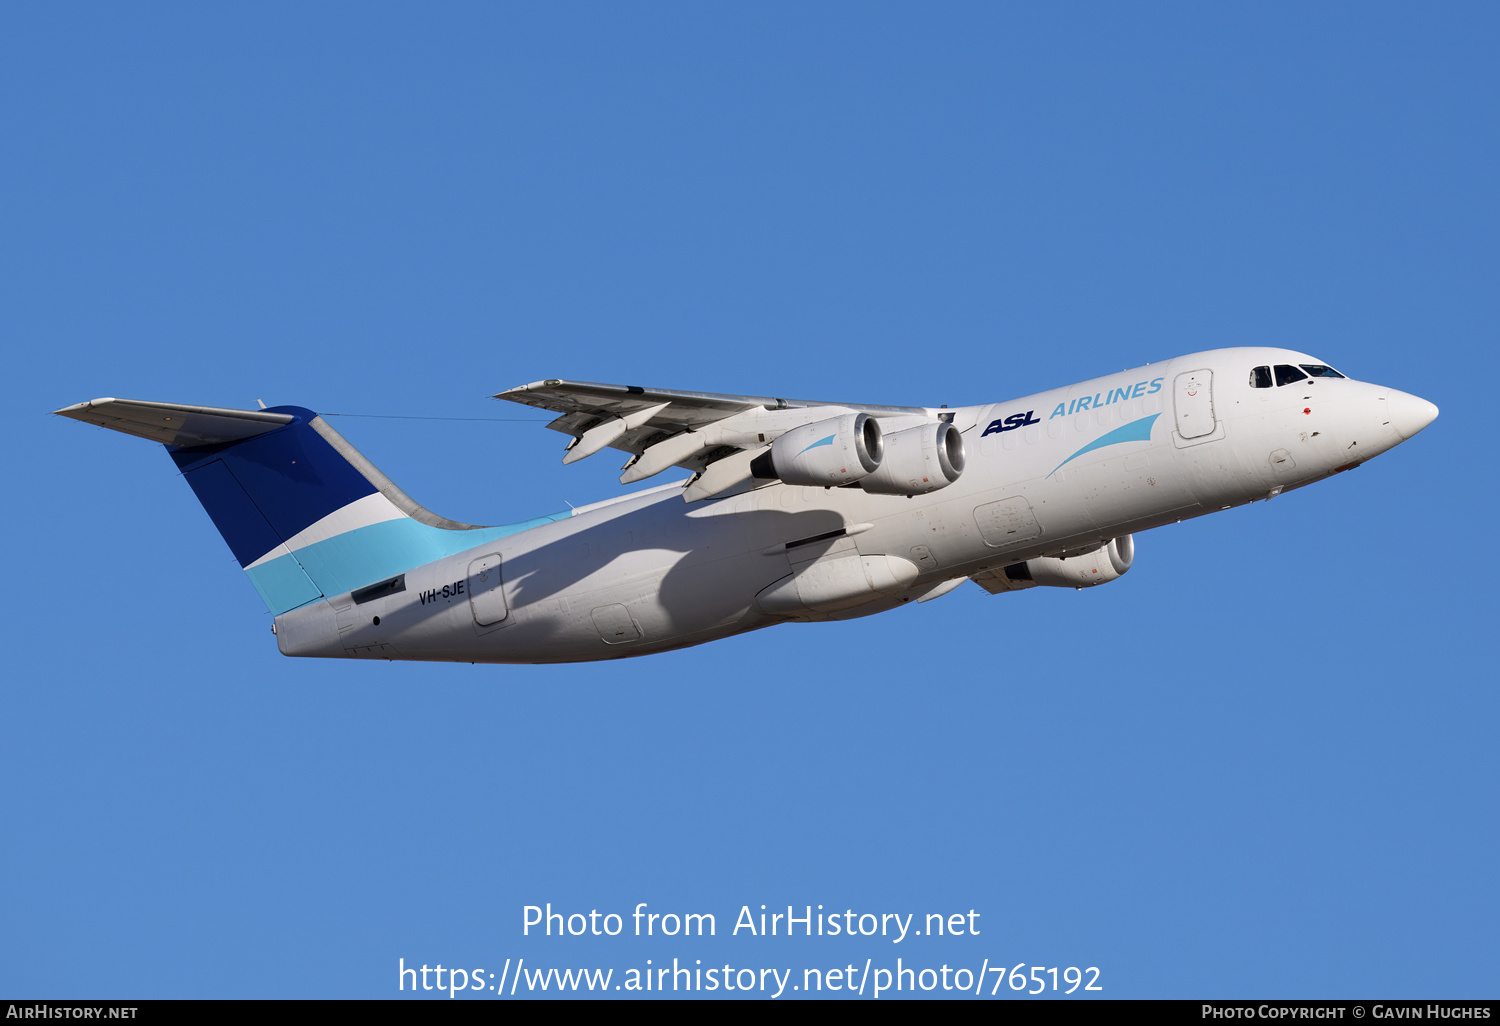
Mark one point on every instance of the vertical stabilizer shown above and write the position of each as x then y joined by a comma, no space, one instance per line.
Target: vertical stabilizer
302,510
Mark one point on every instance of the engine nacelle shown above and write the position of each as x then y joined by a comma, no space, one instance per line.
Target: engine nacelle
828,453
918,460
1106,563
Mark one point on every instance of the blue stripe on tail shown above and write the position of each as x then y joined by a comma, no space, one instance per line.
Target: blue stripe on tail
368,554
261,492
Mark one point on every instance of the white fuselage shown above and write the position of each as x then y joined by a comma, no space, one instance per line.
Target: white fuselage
649,572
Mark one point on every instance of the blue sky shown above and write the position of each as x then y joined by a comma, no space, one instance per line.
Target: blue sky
1261,764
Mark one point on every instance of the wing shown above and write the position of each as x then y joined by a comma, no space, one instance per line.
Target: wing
662,428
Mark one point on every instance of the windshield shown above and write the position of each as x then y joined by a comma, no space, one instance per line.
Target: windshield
1320,370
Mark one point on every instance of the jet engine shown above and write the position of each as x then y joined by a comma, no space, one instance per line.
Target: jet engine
1100,565
829,453
918,460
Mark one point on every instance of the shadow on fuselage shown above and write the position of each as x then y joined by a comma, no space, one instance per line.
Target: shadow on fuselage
699,566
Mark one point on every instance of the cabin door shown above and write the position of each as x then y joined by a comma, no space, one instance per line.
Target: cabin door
486,596
1194,402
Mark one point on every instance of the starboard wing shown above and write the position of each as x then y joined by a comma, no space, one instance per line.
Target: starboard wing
663,428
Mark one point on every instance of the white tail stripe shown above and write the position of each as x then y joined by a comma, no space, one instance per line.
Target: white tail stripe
374,508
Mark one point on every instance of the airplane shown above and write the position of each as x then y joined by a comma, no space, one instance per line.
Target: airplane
794,511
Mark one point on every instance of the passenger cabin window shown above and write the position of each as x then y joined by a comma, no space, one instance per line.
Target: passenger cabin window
1319,370
1286,374
1260,377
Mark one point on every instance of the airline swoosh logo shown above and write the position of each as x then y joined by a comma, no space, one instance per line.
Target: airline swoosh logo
1135,431
821,441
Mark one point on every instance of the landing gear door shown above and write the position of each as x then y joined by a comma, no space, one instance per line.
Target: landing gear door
1193,402
486,596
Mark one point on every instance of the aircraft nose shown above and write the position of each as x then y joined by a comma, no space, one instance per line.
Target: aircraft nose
1409,414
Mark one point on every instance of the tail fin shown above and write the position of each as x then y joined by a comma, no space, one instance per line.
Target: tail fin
301,509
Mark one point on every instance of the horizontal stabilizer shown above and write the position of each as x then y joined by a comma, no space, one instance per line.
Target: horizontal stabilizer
181,426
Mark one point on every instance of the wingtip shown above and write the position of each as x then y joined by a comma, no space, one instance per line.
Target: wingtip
77,408
522,388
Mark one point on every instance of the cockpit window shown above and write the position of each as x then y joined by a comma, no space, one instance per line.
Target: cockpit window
1286,374
1319,370
1260,377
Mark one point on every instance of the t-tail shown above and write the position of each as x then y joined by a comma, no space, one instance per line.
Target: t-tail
303,511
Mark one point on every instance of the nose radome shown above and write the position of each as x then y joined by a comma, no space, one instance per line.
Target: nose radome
1409,414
